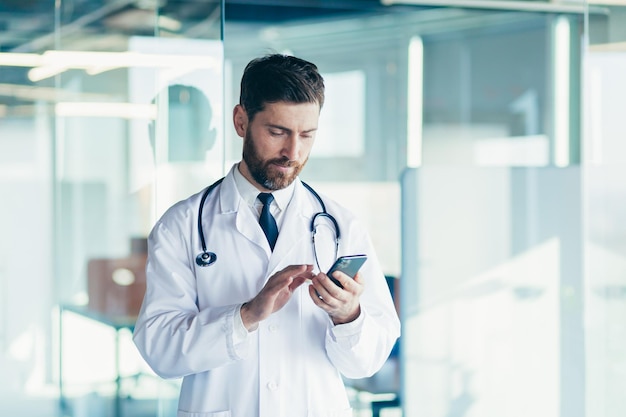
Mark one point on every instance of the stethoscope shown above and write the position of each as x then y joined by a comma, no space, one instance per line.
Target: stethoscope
206,258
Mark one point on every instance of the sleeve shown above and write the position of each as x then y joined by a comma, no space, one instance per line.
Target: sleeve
360,348
172,334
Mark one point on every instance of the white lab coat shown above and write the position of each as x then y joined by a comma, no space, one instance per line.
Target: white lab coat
291,365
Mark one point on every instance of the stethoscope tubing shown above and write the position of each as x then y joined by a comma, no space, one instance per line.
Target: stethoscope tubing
207,258
204,197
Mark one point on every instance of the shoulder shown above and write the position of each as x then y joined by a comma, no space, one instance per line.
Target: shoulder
181,213
189,208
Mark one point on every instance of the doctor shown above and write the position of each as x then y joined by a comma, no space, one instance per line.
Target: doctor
257,329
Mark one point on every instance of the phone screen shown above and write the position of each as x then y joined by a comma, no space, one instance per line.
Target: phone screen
349,265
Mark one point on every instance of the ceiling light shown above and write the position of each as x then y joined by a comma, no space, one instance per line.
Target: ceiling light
519,5
10,59
51,63
117,110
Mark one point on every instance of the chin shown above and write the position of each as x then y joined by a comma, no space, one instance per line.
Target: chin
279,182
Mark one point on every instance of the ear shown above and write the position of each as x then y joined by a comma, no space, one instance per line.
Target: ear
240,120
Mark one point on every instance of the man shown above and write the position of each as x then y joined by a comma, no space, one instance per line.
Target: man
254,327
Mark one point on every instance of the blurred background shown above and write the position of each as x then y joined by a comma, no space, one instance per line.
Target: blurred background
494,131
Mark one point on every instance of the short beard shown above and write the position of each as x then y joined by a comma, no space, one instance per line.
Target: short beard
262,171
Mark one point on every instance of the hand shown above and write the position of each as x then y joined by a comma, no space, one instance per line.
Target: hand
274,294
341,304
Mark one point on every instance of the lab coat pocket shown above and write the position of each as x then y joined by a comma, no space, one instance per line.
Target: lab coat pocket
204,414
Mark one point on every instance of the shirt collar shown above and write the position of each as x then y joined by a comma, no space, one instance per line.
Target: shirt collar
249,192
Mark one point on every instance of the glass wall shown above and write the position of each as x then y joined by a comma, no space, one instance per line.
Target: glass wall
492,225
512,288
110,111
360,145
481,148
476,99
604,208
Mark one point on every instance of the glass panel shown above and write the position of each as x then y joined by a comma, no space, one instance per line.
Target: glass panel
27,340
360,144
108,110
492,224
604,203
151,136
101,130
500,92
487,103
491,312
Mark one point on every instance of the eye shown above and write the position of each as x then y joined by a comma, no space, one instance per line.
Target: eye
276,132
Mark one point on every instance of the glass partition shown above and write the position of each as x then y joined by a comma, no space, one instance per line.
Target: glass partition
26,273
360,144
604,207
512,285
109,113
505,231
492,225
360,147
487,105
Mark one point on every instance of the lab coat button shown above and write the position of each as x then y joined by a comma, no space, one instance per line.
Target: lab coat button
272,328
272,386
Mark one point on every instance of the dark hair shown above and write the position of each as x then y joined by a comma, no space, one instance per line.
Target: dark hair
277,77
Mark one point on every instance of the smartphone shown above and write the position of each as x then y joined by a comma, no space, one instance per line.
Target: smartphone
349,265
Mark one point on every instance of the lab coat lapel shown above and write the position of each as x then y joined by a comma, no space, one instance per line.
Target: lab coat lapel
248,226
294,229
246,223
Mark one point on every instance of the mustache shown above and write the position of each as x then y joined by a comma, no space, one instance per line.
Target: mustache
284,162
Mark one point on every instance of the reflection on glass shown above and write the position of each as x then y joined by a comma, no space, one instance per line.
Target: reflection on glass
492,223
75,162
77,99
343,117
178,153
605,202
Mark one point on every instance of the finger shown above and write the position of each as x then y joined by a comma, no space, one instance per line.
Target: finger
351,285
297,281
331,287
305,275
358,278
284,277
298,271
343,279
307,267
289,284
328,290
317,298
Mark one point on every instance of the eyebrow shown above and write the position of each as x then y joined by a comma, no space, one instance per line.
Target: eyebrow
270,125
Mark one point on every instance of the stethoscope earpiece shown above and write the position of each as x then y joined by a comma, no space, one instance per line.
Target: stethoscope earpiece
206,258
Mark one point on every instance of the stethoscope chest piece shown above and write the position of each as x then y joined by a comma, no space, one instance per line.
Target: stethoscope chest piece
206,258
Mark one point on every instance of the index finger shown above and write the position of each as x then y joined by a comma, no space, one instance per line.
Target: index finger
300,267
304,271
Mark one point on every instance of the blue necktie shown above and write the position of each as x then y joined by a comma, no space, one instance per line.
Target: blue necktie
267,221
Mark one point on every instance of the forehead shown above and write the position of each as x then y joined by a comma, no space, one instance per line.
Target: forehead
296,116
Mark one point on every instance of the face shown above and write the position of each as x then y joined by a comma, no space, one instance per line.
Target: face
277,143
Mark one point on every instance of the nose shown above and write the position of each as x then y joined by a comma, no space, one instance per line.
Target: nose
291,147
